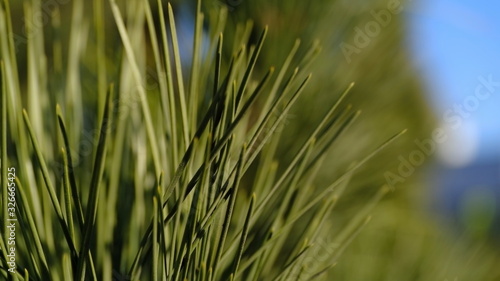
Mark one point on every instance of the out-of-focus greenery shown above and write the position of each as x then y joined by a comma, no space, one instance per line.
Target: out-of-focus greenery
81,51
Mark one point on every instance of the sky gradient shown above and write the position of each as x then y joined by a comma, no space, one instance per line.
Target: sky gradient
454,43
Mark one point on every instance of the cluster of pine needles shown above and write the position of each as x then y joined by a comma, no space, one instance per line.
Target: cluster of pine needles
175,179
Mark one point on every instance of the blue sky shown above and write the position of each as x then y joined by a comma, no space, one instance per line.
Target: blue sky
453,43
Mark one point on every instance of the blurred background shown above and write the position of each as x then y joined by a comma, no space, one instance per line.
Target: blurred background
431,67
455,47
